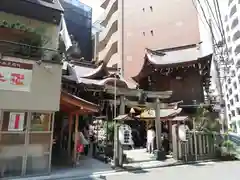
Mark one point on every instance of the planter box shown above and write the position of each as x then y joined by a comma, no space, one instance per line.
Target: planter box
14,35
11,41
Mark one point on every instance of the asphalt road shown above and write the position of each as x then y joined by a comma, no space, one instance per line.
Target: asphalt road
206,171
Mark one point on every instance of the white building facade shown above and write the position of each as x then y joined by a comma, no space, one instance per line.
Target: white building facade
232,76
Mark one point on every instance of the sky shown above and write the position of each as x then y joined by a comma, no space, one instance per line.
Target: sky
95,4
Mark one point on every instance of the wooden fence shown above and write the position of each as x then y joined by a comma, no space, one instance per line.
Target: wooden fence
197,146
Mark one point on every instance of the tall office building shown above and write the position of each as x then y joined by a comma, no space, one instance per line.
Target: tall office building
132,26
232,76
78,18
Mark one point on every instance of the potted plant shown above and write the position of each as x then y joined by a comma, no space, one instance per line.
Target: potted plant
228,151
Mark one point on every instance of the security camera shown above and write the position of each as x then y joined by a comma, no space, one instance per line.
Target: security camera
39,62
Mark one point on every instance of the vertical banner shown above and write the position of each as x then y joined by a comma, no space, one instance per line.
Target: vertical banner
16,121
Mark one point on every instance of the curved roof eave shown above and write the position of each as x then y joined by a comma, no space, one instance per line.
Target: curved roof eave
190,56
87,72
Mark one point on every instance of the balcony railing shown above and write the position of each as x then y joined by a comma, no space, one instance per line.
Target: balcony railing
9,48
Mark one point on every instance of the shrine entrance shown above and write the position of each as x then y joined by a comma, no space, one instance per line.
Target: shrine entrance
68,122
126,153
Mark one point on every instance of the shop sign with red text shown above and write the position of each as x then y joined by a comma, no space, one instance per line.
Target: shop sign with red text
15,76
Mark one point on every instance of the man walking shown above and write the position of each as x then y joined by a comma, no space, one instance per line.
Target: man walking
150,139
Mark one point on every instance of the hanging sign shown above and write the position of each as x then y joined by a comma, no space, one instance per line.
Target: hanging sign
15,76
16,121
125,135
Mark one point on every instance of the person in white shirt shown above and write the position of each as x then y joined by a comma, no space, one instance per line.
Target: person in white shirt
150,139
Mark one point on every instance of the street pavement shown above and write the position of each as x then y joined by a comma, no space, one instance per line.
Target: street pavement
209,171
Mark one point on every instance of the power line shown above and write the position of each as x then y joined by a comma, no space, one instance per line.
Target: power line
214,18
195,6
205,18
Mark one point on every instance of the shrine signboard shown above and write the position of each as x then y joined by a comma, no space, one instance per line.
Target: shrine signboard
15,76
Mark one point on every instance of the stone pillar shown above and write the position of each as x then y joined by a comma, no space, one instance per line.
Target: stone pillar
120,148
158,125
122,105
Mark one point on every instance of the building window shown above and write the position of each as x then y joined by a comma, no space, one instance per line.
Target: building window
230,91
229,81
234,23
49,1
238,111
233,113
14,121
237,50
238,64
235,85
230,50
236,36
227,28
151,32
229,39
236,98
226,18
40,122
233,11
231,102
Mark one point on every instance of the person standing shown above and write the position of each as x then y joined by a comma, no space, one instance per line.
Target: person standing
150,139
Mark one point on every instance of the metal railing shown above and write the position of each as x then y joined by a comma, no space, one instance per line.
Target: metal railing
14,49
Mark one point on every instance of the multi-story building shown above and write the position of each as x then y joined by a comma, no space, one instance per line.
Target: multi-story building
232,75
78,18
132,26
30,81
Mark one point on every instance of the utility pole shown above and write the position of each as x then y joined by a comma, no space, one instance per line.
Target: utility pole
218,71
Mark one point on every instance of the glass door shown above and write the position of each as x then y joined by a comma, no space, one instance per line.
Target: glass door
39,143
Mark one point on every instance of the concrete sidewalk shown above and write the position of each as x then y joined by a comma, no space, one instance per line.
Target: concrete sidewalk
88,167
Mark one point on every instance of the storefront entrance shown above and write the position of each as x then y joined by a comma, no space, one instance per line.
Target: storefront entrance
25,142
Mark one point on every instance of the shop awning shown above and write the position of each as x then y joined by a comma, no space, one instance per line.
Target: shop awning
164,113
73,104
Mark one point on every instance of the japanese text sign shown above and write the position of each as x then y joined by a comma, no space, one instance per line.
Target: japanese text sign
15,76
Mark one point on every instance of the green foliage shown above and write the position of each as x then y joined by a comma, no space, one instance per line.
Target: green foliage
205,122
109,129
229,150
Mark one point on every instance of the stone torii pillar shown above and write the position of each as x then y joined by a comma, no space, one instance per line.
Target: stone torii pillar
158,125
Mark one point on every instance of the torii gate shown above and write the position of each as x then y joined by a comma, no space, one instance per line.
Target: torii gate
158,96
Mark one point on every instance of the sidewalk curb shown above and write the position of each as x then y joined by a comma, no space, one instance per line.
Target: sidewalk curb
104,173
131,169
